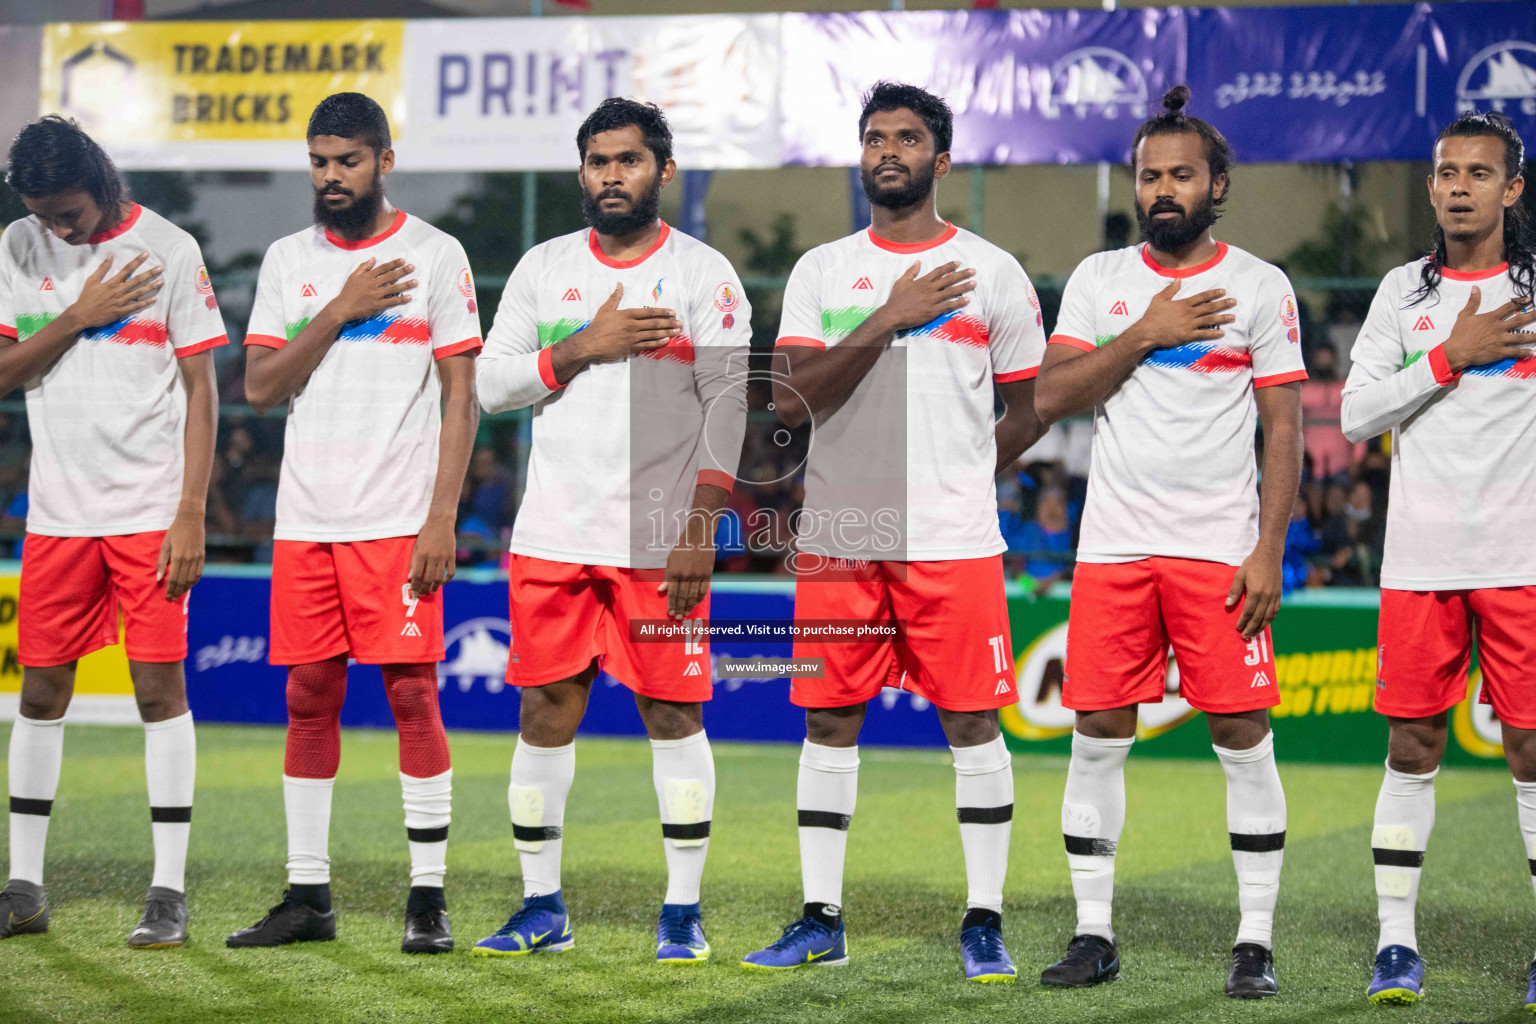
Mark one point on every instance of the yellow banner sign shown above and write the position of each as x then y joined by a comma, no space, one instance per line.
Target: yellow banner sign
204,81
102,673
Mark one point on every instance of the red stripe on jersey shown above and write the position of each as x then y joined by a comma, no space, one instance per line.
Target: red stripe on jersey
7,330
1222,360
1009,378
265,340
790,339
141,332
1279,378
413,331
678,349
459,348
202,346
1441,366
889,246
1067,339
963,330
717,479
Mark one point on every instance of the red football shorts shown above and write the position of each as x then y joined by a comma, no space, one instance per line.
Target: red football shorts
351,597
957,653
1425,649
72,588
1124,617
564,615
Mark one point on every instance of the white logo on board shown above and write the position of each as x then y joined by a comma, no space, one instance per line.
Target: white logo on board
1499,77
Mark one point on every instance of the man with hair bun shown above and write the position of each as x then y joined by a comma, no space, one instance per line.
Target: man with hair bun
1181,346
107,319
1444,362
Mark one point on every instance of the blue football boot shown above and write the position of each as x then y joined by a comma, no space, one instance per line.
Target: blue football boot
981,948
680,935
807,941
541,926
1398,979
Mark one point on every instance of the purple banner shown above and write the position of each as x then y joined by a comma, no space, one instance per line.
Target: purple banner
1066,86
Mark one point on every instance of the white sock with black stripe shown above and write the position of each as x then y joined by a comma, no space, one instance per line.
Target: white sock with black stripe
984,805
170,768
541,780
1092,816
825,796
428,809
1256,829
1405,816
683,772
33,764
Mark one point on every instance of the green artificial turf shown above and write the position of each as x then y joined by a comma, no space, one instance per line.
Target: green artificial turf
1175,909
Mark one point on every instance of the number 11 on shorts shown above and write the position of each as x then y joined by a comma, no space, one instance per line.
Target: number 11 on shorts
999,658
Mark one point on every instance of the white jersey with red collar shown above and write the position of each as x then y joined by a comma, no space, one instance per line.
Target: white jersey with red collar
108,418
1462,508
931,394
360,448
617,451
1174,472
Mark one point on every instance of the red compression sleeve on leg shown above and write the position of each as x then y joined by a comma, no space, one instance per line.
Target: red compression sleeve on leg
412,693
315,695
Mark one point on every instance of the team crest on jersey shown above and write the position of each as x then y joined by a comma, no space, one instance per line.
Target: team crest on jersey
46,286
863,285
307,292
1118,309
1424,324
1288,314
1034,301
204,286
571,295
466,283
726,299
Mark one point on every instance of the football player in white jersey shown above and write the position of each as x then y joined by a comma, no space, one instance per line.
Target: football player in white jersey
107,319
1180,347
629,340
365,326
1443,362
892,340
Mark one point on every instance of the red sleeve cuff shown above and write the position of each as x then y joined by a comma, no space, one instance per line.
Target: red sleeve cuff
547,369
202,346
716,478
7,330
1279,378
473,345
1010,377
791,339
1441,366
265,340
1067,339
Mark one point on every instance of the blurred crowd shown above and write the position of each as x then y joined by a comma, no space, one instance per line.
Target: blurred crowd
1335,536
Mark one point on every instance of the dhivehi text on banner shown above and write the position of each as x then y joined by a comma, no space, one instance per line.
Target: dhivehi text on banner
499,94
214,94
1362,82
1060,86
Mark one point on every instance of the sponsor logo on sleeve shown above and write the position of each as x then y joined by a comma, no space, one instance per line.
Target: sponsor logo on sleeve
467,283
204,285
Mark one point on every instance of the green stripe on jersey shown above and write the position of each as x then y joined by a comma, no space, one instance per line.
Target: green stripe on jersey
296,326
28,324
1412,357
553,331
839,323
1104,339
